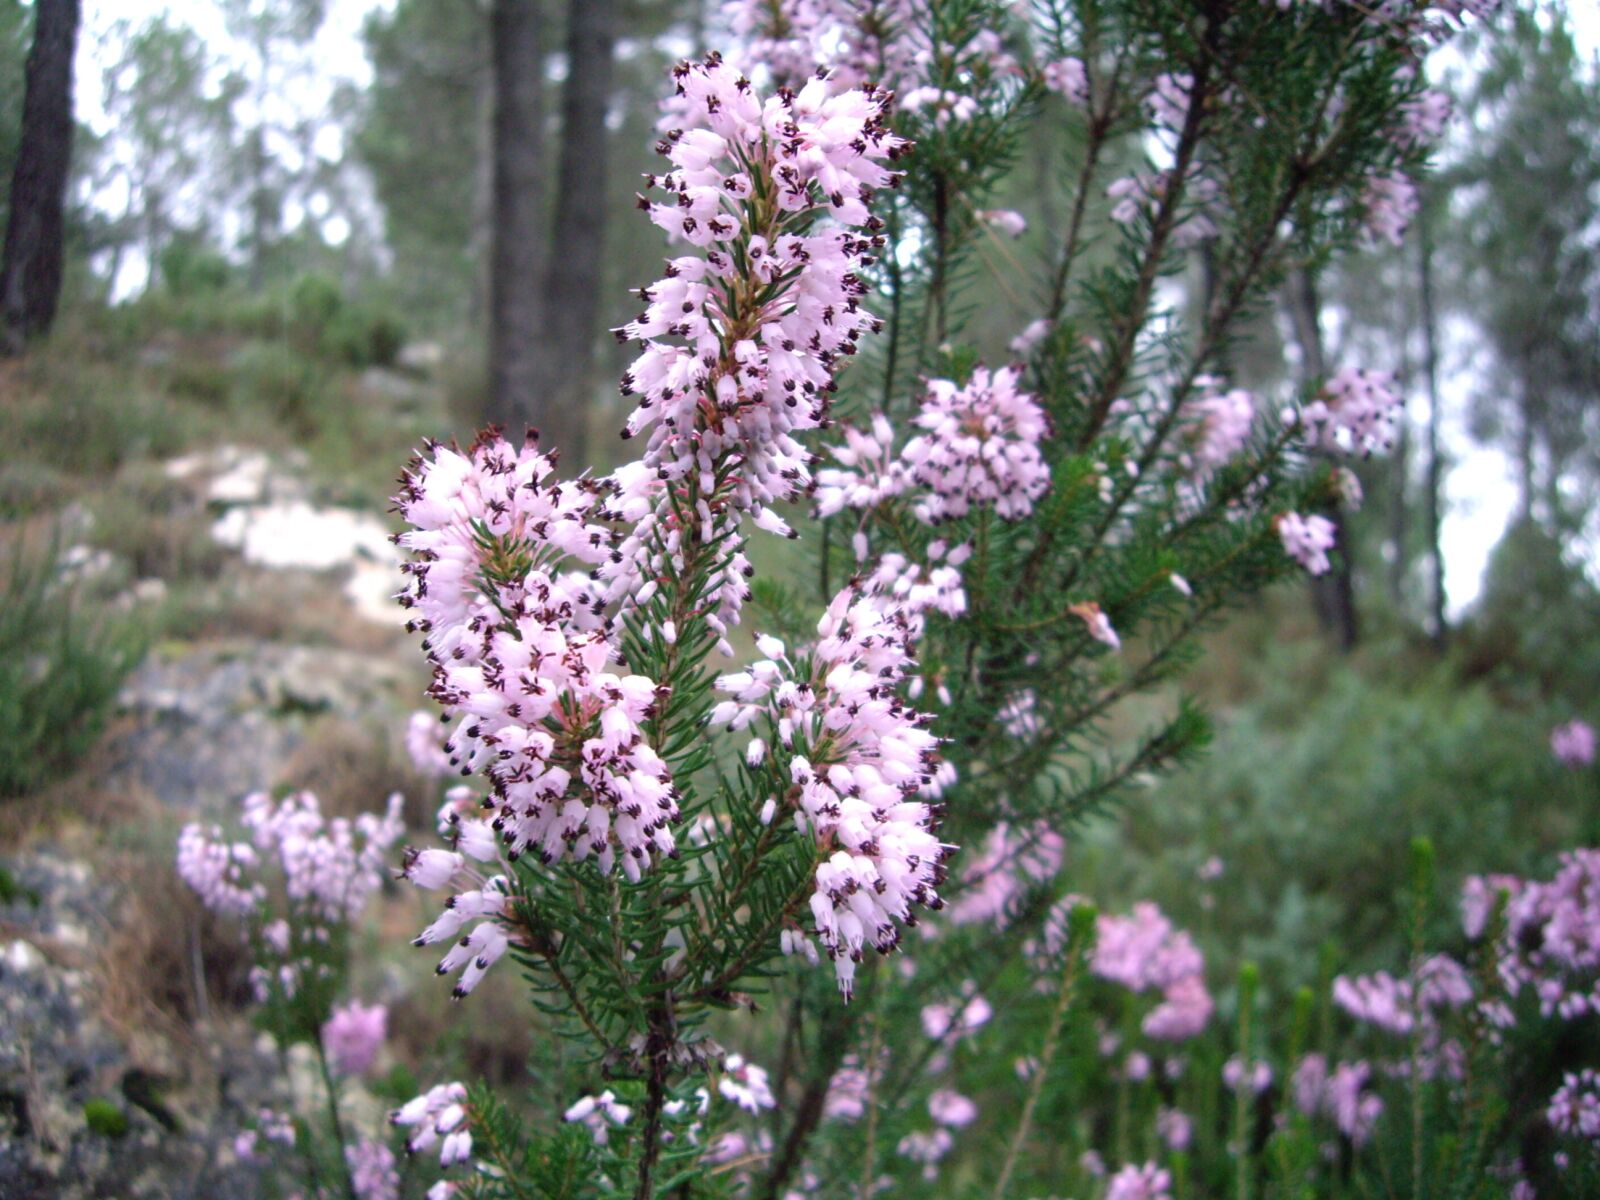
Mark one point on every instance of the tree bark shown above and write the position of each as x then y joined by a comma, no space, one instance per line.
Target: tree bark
516,258
1439,631
565,346
1333,594
30,264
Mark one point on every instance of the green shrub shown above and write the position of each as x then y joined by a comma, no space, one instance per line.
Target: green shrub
284,384
60,671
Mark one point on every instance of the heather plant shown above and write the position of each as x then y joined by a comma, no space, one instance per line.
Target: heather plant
295,884
762,910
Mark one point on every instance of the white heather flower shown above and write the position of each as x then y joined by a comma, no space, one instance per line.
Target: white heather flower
1096,622
438,1118
598,1113
1004,220
745,1084
1307,540
979,445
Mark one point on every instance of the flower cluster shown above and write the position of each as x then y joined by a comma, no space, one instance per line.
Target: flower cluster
599,1114
1344,1096
740,343
999,874
352,1036
1575,1108
1551,942
878,41
1067,77
1142,952
1573,744
979,445
521,658
1388,206
372,1170
438,1117
325,872
1147,1182
1307,540
1355,411
857,757
1218,424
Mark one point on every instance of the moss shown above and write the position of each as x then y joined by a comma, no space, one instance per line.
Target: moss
105,1118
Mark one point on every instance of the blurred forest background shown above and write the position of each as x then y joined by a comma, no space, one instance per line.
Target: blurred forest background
302,235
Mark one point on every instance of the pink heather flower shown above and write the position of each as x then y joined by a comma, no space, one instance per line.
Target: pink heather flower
438,1117
1148,1182
372,1170
1354,411
1258,1078
941,1020
521,667
944,107
1309,1084
1389,204
1141,194
1209,871
952,1109
244,1145
1141,952
598,1113
927,1148
1479,894
425,745
745,1084
326,871
1575,1108
979,445
1355,1111
1551,943
1378,999
1573,744
1004,220
815,160
217,871
847,1093
1168,103
1091,1164
860,758
1422,119
1219,424
1175,1129
1307,540
868,472
352,1036
1066,77
994,880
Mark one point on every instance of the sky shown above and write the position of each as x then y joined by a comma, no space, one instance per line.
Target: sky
1480,491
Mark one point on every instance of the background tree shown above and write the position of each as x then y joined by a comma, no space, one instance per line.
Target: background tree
1528,242
516,256
30,268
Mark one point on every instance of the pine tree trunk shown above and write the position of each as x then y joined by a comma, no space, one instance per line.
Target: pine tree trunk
1333,594
1430,366
516,258
565,347
30,264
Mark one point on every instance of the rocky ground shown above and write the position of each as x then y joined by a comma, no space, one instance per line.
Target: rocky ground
126,1069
